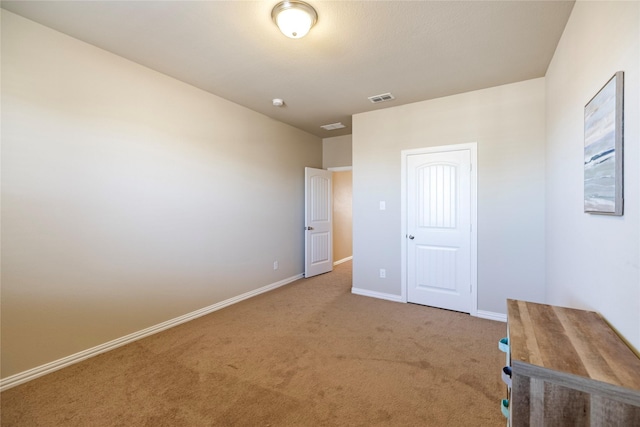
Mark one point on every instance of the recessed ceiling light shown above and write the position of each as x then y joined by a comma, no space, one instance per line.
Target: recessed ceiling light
333,126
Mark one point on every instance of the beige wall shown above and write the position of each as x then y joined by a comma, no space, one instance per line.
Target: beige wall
507,122
592,260
336,152
130,198
342,215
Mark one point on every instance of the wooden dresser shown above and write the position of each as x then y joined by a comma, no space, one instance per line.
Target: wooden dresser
569,368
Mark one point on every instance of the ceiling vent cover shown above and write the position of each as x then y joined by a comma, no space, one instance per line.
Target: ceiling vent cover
381,98
333,126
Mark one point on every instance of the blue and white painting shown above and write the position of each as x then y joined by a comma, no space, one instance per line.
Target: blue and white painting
600,166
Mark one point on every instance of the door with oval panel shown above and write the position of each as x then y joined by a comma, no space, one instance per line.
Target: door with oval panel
438,208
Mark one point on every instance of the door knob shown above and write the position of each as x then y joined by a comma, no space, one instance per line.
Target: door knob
411,237
309,228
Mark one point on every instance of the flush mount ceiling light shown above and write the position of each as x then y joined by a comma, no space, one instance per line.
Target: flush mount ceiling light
294,18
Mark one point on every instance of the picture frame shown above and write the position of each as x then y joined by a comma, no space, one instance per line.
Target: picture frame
603,149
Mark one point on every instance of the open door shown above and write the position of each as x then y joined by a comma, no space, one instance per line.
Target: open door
318,238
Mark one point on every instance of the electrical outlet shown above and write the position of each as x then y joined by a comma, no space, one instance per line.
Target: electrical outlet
383,205
383,273
275,265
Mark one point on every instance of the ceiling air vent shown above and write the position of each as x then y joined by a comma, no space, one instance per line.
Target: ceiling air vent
333,126
381,98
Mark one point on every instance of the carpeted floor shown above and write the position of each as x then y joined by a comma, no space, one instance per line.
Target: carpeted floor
307,354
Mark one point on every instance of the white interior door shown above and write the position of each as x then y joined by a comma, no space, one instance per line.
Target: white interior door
318,256
438,225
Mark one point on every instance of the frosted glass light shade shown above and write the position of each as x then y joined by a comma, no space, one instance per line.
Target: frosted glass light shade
294,18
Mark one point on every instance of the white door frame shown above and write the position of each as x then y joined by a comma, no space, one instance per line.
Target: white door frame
473,149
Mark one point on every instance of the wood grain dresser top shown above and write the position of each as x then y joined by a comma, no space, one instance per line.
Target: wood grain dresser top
574,341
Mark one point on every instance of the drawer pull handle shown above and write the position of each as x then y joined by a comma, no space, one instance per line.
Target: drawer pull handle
503,345
504,407
506,375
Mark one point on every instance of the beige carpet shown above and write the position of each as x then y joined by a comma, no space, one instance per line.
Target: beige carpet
307,354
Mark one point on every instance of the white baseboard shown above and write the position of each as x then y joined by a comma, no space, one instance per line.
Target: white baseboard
490,315
500,317
31,374
374,294
349,258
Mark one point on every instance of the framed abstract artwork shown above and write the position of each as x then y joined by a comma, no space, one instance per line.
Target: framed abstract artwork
603,145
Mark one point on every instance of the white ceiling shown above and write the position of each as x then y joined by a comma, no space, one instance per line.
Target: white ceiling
417,50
